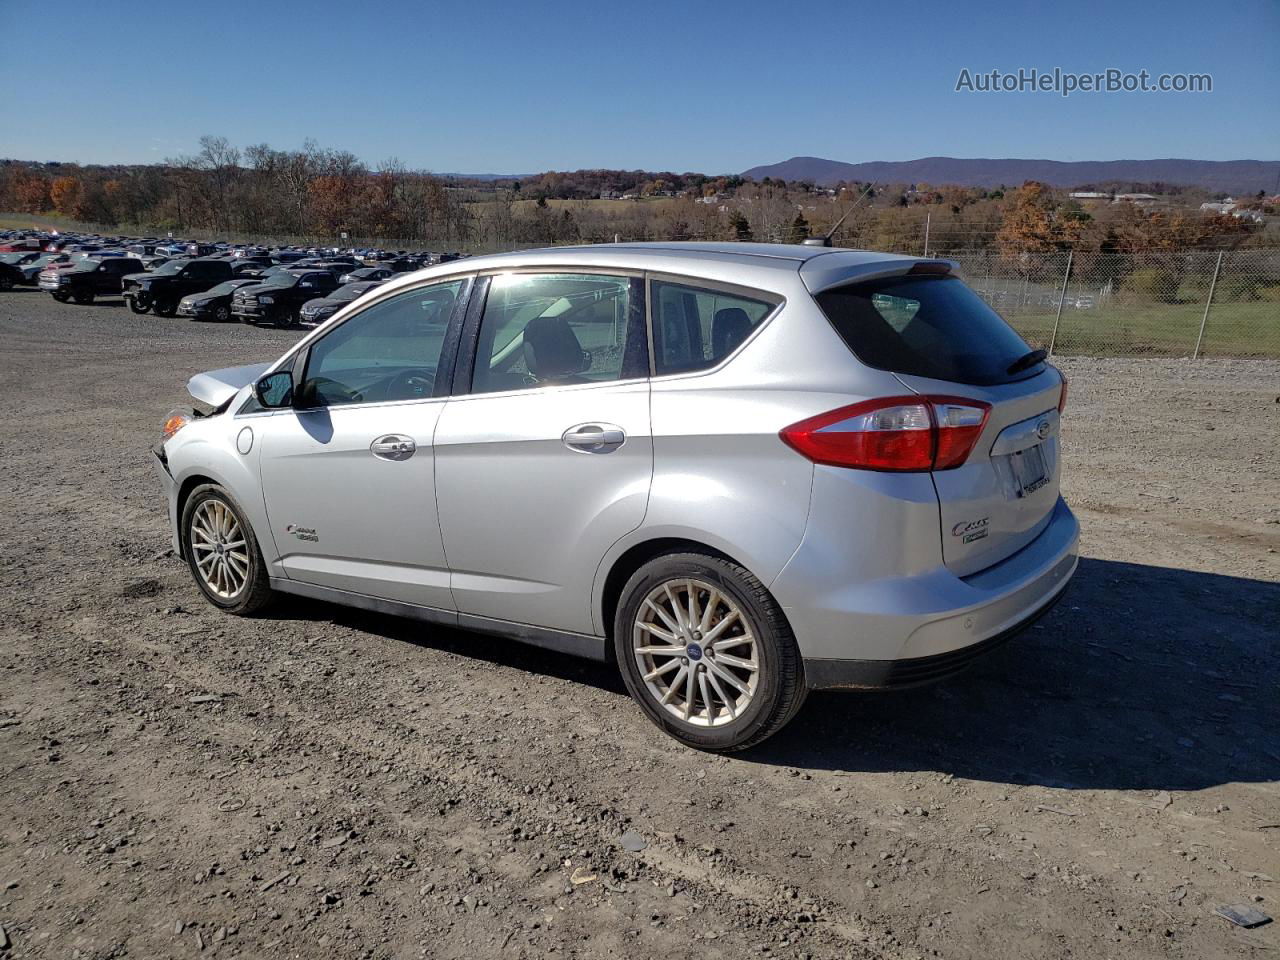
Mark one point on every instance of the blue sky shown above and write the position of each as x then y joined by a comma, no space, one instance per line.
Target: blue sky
714,87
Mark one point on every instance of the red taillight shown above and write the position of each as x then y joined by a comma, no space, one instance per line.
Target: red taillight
1062,397
894,433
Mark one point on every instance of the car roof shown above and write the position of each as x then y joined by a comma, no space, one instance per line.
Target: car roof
768,265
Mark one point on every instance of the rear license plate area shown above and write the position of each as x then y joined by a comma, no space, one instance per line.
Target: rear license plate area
1030,472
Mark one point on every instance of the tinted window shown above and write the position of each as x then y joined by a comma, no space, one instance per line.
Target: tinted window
551,329
925,326
695,328
388,351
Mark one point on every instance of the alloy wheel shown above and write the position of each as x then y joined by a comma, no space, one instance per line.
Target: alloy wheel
696,652
220,550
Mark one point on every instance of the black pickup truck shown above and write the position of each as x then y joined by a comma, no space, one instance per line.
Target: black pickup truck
279,298
88,279
163,288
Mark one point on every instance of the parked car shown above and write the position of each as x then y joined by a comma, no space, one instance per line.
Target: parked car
279,297
212,304
317,311
247,269
738,471
30,269
10,273
87,279
162,288
365,273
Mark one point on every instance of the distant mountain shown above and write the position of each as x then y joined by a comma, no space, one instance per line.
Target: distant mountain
1232,176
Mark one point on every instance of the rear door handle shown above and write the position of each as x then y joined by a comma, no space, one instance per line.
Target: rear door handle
393,446
594,437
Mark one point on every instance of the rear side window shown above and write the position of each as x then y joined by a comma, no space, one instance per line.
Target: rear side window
694,328
926,327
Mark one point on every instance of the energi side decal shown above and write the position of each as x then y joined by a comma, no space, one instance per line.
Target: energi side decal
970,530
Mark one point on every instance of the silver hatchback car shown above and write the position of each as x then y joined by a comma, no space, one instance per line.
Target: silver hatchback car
738,471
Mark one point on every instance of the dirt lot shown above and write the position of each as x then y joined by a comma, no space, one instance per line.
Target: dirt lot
322,782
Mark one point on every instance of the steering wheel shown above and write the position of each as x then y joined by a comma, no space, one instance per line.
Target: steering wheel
412,384
330,392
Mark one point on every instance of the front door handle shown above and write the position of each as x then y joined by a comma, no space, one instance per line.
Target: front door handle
594,438
393,446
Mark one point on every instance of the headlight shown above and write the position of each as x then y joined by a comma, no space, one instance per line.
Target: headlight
175,421
267,300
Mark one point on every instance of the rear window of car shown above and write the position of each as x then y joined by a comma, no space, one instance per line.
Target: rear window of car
926,327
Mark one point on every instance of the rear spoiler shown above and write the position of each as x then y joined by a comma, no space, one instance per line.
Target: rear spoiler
840,267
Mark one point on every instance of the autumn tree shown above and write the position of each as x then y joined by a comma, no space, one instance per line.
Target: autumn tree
30,192
64,193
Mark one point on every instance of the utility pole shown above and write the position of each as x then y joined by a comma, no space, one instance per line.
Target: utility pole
927,217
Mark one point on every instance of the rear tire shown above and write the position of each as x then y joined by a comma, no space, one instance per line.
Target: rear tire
62,296
748,677
6,282
222,552
84,298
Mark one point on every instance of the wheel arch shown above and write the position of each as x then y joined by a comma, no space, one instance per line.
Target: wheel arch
636,556
184,493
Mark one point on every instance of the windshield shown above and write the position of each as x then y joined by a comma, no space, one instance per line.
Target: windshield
222,289
926,327
169,268
279,280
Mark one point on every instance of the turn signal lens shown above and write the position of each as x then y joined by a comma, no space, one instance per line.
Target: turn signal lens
174,422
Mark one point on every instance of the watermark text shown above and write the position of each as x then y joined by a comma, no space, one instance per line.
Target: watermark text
1065,82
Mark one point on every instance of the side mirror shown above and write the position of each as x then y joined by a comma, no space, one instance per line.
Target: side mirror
275,390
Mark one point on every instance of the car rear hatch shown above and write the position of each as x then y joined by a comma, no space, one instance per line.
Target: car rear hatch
941,341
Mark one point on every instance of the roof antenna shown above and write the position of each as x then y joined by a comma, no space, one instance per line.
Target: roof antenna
825,240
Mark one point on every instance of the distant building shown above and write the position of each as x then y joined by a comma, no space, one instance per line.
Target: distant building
1089,195
1140,199
1225,206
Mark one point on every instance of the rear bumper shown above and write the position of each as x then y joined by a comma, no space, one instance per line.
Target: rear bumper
895,631
913,671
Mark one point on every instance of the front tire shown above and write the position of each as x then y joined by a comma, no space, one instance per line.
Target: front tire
62,296
137,305
221,314
6,282
165,308
84,298
222,552
707,652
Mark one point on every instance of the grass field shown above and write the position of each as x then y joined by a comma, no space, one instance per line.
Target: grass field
1159,330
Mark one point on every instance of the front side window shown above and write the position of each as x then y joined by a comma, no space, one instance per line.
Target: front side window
388,351
694,328
553,329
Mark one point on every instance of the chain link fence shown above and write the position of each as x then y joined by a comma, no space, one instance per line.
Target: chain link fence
1154,303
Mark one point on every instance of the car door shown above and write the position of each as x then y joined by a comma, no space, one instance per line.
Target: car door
544,455
348,472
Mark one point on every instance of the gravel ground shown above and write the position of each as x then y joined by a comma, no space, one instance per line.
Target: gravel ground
323,782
